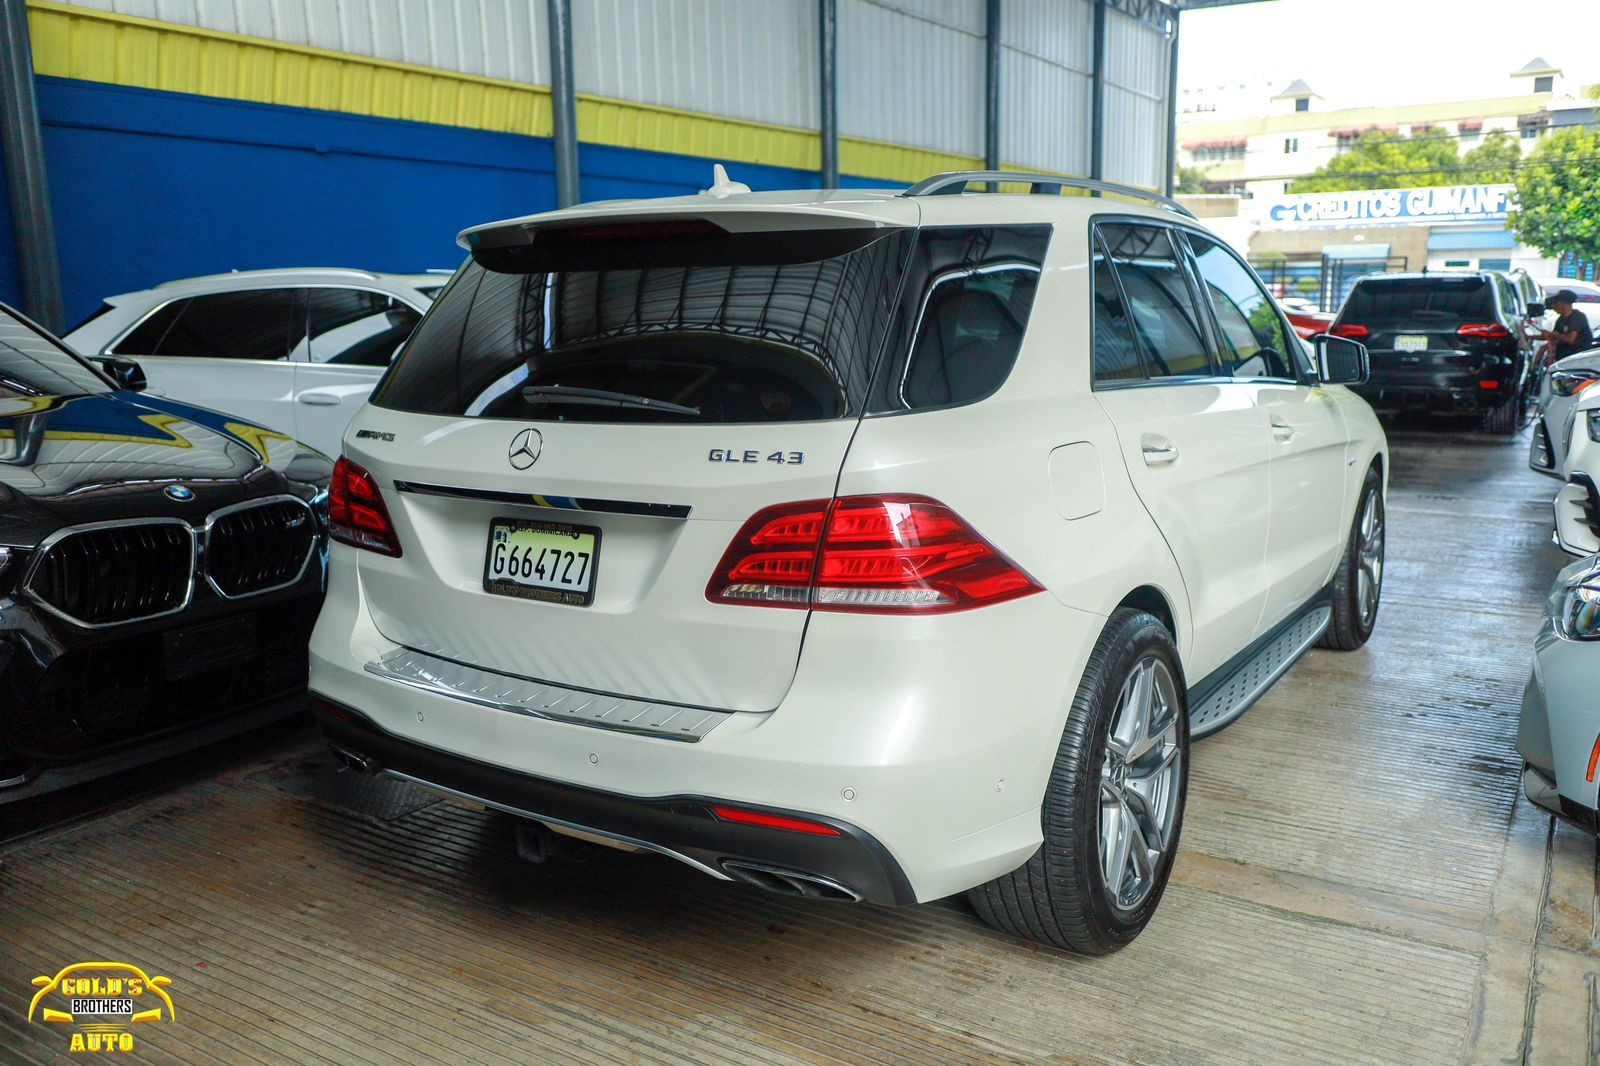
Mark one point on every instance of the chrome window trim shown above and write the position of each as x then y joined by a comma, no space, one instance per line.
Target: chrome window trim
26,587
235,508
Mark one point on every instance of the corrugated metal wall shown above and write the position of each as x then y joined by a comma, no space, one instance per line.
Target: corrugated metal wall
911,71
1137,109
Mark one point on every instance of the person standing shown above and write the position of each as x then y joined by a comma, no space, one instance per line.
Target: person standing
1571,333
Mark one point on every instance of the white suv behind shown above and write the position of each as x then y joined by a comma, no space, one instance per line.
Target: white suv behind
296,350
855,545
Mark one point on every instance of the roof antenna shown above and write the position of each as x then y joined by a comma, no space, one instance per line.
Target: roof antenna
721,185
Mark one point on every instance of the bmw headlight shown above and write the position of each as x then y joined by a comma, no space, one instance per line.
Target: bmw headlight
1594,424
1578,617
1572,382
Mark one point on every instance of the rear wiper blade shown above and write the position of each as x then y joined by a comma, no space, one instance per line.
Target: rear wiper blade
571,394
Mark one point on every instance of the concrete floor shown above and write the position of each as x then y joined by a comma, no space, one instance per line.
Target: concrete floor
1360,881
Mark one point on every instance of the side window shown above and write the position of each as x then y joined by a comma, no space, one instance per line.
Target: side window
970,330
1116,353
254,324
355,327
1160,300
1253,337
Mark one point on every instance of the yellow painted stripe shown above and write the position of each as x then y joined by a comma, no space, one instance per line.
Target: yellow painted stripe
101,46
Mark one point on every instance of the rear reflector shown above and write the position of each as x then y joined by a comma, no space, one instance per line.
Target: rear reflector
774,821
1488,385
1350,330
873,554
356,513
1594,760
1486,331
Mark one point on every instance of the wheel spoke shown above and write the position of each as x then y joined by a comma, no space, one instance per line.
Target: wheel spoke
1116,837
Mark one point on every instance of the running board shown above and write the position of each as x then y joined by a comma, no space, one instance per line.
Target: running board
1234,694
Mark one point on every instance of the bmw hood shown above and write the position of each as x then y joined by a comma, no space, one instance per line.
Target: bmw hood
69,460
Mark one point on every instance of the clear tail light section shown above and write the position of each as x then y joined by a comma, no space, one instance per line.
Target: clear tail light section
890,554
356,513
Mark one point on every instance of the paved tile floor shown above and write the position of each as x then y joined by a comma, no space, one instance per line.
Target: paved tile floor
1360,881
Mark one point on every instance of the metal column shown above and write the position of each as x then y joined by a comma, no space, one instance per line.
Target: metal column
828,89
1172,109
993,44
23,150
563,102
1097,97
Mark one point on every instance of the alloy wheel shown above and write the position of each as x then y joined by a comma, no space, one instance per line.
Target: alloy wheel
1139,783
1369,558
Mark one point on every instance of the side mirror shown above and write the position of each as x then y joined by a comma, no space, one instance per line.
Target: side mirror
1340,360
1536,310
127,373
1578,516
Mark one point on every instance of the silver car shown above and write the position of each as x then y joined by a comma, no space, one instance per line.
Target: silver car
1558,392
1559,734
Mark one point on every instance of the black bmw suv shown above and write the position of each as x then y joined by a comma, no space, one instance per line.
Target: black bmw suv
1447,343
161,567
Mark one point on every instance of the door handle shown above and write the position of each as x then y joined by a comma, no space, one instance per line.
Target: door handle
1281,430
318,399
1158,451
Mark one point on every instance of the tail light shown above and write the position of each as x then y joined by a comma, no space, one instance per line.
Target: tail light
1484,331
774,821
870,554
1349,330
356,514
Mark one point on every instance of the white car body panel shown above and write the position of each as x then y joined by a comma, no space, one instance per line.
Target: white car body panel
297,396
934,734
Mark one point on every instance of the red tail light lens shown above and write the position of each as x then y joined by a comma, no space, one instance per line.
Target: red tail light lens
1484,331
874,554
356,514
1350,330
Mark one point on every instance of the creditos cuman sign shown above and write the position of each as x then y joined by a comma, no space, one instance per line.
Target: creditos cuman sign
1389,207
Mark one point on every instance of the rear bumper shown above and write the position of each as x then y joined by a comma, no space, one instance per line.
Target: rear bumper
1440,389
933,737
682,827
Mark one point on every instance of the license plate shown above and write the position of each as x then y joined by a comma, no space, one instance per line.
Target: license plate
1410,343
550,561
204,648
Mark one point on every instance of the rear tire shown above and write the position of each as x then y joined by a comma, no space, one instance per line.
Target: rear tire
1358,583
1505,420
1113,807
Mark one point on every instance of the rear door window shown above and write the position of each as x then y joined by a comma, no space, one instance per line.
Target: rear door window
1116,352
1160,300
1254,342
355,327
253,324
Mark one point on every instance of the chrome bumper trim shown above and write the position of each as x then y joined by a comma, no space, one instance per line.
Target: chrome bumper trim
542,699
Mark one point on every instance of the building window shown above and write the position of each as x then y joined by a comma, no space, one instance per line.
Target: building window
1302,103
1544,83
1530,132
1291,145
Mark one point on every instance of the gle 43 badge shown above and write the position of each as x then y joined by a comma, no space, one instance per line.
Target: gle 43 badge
752,455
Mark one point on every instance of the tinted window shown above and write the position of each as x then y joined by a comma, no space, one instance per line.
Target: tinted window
967,298
255,324
1116,353
31,364
757,327
1583,295
355,327
1388,303
1254,344
1160,300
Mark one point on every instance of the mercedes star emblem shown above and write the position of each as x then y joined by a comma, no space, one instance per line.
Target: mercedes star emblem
525,448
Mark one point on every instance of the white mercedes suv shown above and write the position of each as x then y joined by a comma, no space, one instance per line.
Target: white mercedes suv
856,545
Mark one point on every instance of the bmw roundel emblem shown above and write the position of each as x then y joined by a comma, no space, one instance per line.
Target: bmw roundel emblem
525,448
181,493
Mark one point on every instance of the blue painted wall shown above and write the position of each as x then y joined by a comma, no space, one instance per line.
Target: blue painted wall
148,186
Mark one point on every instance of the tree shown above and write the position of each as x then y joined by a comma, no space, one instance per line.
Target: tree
1558,195
1382,160
1191,179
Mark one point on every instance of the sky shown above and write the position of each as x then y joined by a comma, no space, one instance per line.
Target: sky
1359,53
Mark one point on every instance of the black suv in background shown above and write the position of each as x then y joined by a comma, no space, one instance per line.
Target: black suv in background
1447,343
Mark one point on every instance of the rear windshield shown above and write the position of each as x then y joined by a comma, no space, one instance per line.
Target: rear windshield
682,325
1447,302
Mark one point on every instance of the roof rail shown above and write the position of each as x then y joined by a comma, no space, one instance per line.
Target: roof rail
956,181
